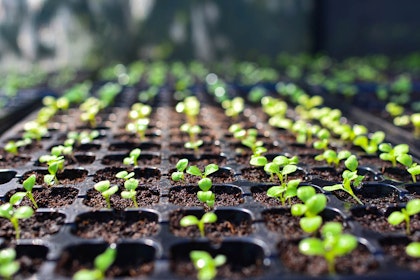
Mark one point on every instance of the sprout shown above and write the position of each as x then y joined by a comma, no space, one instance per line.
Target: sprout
193,131
124,175
14,215
190,107
233,107
138,127
397,217
370,145
332,157
191,220
101,264
205,194
313,205
79,138
413,249
13,146
104,187
287,166
333,244
394,110
350,178
324,135
8,265
55,165
28,185
415,120
132,158
412,167
34,130
205,264
181,165
130,193
391,154
284,191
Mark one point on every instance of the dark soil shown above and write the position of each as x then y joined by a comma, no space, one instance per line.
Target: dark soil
396,249
201,161
29,263
68,176
151,135
208,148
187,196
145,197
52,197
397,174
128,146
254,174
358,262
146,176
112,226
8,160
222,176
40,225
260,195
214,231
117,160
372,199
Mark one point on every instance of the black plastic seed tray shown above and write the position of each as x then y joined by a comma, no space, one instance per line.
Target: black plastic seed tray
258,237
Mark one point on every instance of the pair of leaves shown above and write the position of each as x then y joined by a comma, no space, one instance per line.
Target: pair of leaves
206,264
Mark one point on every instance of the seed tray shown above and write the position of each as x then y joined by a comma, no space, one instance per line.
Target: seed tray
255,232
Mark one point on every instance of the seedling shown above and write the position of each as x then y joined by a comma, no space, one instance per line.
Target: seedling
233,107
313,204
78,138
284,191
101,264
324,139
138,127
104,187
13,146
192,220
332,157
397,217
179,175
412,167
334,243
394,110
28,185
8,211
124,175
8,264
415,120
205,194
192,131
370,144
190,107
34,130
55,166
89,109
350,178
130,192
132,158
413,249
281,166
391,154
205,264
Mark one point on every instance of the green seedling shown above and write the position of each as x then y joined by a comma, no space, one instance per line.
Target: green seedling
205,194
313,204
332,157
101,264
205,264
284,192
397,217
391,154
181,166
274,106
281,166
133,157
139,111
89,109
334,243
124,175
104,187
130,192
8,264
13,146
233,107
138,127
370,144
394,110
34,130
107,93
412,167
190,106
192,220
78,138
28,185
8,211
192,131
55,166
415,120
350,178
413,249
324,139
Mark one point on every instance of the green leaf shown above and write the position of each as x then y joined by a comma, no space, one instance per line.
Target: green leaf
205,184
275,191
211,168
415,170
316,204
29,182
413,249
112,190
205,196
351,163
6,210
271,168
413,207
23,212
7,255
310,224
121,174
182,164
16,198
49,179
209,217
305,192
331,229
396,218
194,170
131,184
219,260
405,160
258,161
102,186
189,220
311,247
288,169
346,243
128,194
401,149
7,270
177,176
298,209
333,187
104,261
385,147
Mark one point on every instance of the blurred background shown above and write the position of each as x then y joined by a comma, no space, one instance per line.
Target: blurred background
80,33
